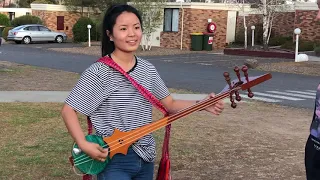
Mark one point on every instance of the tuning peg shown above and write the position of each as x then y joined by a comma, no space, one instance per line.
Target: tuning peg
227,78
236,69
245,71
238,97
233,104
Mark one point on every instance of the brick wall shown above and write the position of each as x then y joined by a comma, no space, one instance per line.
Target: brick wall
310,27
50,20
195,20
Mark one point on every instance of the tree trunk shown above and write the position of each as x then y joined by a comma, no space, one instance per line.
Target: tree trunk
270,27
265,25
245,32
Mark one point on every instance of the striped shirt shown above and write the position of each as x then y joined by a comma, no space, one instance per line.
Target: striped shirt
112,101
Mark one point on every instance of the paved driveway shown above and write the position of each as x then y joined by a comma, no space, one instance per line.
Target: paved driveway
197,72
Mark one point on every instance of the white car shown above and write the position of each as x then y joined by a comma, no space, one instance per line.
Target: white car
34,33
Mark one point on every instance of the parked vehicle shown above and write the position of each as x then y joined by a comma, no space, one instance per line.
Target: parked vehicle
34,33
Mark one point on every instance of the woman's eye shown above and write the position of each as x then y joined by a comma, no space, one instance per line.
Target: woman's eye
138,27
123,29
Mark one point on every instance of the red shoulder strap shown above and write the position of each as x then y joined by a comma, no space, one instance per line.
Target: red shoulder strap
164,166
153,100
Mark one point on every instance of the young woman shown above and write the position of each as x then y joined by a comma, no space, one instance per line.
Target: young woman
110,100
312,148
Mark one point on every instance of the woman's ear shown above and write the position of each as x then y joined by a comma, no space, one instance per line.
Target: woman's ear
109,35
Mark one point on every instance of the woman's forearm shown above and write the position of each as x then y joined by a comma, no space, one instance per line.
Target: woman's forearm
178,105
72,123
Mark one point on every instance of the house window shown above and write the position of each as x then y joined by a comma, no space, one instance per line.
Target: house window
60,22
11,15
171,20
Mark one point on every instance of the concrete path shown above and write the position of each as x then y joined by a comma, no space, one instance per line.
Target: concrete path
60,96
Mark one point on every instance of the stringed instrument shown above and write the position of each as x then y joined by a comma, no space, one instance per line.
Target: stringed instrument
119,142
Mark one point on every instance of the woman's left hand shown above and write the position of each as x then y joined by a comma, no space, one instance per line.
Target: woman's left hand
217,108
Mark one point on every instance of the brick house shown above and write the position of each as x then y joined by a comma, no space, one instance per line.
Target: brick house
301,15
57,17
193,17
181,19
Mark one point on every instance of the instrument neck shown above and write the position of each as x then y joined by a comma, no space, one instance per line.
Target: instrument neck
144,130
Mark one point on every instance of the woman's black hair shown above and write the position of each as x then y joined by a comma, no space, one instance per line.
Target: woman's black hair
111,15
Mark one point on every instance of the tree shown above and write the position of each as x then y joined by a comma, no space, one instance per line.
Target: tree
152,17
79,5
96,6
240,4
26,3
269,9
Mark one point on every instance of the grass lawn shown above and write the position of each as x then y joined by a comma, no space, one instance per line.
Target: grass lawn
35,143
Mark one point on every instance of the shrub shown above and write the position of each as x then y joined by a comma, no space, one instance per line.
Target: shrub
5,32
26,19
80,30
303,45
4,20
317,51
279,40
42,2
258,35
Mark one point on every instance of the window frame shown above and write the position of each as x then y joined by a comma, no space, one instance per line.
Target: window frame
12,15
171,16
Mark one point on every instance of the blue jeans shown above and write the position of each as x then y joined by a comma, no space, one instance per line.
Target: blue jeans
127,167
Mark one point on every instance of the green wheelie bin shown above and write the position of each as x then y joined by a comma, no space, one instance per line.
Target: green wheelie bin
196,41
207,41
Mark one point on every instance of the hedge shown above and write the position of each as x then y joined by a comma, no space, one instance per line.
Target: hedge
26,19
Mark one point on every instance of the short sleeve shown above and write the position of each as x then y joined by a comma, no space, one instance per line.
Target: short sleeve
87,94
160,90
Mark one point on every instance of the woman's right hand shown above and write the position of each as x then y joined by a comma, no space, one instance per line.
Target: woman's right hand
95,151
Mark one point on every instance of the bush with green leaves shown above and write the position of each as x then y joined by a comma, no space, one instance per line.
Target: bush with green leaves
42,2
279,40
317,51
4,20
258,35
26,19
303,45
80,30
5,32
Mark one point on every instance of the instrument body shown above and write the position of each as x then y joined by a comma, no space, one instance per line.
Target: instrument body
119,142
85,163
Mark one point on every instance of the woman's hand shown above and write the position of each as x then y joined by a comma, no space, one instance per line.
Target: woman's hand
95,151
217,108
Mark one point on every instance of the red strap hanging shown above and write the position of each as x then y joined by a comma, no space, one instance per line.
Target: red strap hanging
164,166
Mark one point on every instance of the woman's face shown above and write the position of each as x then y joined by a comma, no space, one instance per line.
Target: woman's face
318,16
127,32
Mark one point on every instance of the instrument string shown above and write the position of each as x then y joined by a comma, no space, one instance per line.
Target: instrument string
157,125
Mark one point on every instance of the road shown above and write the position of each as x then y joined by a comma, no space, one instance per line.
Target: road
201,73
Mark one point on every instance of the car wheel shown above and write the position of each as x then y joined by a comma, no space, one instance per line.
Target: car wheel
26,40
59,39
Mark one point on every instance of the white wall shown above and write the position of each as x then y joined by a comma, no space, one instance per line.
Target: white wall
231,26
155,37
18,11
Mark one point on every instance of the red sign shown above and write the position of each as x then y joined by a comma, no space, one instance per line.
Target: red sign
210,40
